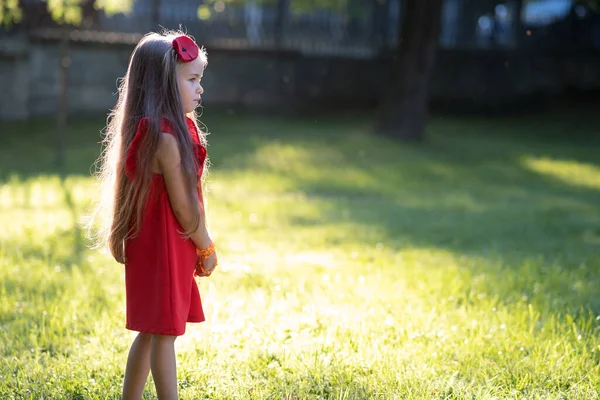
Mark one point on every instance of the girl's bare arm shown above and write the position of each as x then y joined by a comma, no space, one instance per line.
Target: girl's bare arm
169,161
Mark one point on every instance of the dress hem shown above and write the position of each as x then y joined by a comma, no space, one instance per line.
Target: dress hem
167,332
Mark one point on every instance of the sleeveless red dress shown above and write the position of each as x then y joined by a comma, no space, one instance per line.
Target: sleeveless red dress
161,291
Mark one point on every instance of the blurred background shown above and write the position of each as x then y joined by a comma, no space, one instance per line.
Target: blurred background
302,55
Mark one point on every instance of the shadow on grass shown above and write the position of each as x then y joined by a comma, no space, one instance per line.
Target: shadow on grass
28,148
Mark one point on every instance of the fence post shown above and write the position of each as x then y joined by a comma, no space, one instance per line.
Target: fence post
280,23
63,99
518,23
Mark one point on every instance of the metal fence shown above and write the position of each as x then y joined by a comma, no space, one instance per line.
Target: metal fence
357,28
365,28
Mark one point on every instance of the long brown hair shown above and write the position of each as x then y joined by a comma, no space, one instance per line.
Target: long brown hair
149,89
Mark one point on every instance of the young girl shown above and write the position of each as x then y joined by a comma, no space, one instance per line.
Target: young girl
152,174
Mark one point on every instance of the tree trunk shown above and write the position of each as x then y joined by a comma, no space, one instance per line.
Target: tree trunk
403,111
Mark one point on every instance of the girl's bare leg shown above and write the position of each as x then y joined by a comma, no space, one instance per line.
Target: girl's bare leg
163,366
138,367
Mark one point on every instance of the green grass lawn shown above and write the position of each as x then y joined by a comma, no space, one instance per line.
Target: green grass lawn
351,266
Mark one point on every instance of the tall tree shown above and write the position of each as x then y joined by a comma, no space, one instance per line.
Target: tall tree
403,110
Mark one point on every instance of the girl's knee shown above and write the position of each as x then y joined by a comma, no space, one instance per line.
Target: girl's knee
163,338
144,337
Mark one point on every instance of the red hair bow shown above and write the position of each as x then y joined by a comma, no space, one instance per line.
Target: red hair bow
186,48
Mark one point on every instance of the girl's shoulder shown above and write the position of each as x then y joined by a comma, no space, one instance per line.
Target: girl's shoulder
131,159
166,127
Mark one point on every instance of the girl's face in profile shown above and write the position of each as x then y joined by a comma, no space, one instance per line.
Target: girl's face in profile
189,76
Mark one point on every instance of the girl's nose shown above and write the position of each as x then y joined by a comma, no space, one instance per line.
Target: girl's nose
200,89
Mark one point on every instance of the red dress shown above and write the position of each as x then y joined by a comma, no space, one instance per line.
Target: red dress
161,291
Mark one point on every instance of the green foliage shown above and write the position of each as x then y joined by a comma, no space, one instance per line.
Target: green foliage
10,12
65,11
351,266
311,5
111,7
70,11
62,11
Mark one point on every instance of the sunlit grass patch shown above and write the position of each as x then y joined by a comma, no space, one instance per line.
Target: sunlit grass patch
570,172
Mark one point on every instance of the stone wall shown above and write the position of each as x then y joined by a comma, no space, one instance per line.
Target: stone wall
285,81
14,80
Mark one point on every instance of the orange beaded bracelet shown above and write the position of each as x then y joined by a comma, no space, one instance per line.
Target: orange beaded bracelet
206,252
